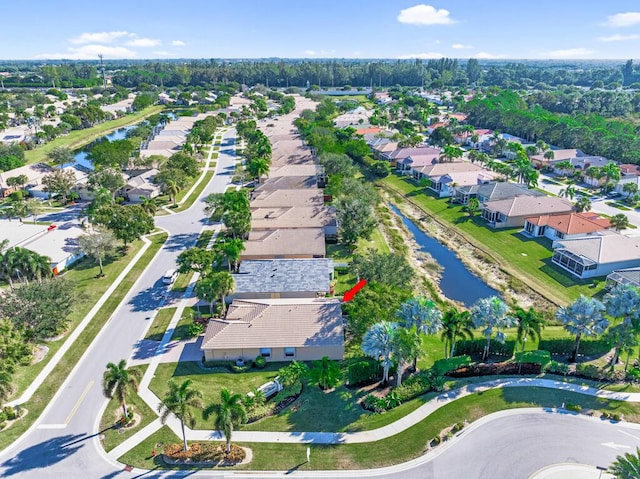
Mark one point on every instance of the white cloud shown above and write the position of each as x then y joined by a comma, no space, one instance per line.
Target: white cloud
91,52
460,46
422,56
623,19
320,53
569,53
98,37
178,43
487,56
619,38
144,42
424,15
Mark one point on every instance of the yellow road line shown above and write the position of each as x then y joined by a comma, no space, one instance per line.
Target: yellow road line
76,406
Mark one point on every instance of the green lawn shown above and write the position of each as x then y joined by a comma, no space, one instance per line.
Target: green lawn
79,138
195,194
112,436
48,388
182,328
526,259
396,449
182,282
160,323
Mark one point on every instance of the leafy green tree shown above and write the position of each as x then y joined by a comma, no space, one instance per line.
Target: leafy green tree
385,268
583,317
450,153
120,382
59,182
455,324
215,285
626,466
108,178
196,259
60,156
325,373
181,400
230,250
292,373
111,154
491,314
129,223
229,414
99,245
355,219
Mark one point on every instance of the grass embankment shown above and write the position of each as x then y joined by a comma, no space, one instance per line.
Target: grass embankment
526,260
405,446
47,390
79,138
114,436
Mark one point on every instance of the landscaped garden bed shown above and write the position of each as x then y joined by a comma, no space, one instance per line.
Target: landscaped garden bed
203,454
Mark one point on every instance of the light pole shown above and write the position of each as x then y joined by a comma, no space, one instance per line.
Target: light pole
601,469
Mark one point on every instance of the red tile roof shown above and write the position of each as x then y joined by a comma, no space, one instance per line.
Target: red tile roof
572,223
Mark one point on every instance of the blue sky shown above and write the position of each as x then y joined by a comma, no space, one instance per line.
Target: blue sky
559,29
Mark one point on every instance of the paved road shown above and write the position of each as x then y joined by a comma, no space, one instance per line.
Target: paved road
64,440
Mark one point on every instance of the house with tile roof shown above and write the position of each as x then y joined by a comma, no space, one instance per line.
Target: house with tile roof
565,226
303,329
513,212
427,157
597,255
283,278
285,243
444,178
500,190
539,161
305,197
285,217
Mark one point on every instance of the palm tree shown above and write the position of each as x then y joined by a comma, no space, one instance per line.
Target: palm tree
119,382
325,373
626,466
619,221
630,189
583,204
568,192
181,400
541,146
257,168
148,205
172,189
530,323
565,167
34,207
549,155
622,336
473,205
230,250
229,412
456,324
623,301
421,313
491,314
583,317
450,153
610,171
377,342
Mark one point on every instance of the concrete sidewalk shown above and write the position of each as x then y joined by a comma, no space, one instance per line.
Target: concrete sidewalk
571,471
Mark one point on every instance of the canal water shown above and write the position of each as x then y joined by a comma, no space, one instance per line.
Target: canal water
456,282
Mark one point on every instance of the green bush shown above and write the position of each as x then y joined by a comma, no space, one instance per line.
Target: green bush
414,386
294,390
437,383
435,441
554,367
258,411
194,330
9,413
588,347
476,346
457,427
241,369
536,357
374,403
573,407
363,371
260,362
442,366
590,371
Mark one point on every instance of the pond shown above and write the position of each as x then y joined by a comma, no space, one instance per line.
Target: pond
456,281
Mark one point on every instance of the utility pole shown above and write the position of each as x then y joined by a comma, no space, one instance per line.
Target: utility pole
104,78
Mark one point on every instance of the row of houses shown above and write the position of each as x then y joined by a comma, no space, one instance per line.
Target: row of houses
280,308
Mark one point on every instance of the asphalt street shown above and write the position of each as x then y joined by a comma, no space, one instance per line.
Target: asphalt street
63,442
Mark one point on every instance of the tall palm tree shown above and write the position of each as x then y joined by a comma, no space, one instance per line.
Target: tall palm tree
568,192
257,168
530,323
450,153
610,171
378,343
583,317
619,221
325,373
622,336
491,314
630,189
148,205
230,250
181,400
229,413
421,313
172,189
456,324
583,204
626,466
34,207
119,382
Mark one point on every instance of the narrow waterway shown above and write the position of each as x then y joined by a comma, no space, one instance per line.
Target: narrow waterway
456,282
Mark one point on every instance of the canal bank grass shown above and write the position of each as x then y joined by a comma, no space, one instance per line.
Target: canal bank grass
397,449
160,323
47,390
111,436
79,138
527,260
88,289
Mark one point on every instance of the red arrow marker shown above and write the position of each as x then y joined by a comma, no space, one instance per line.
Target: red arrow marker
348,296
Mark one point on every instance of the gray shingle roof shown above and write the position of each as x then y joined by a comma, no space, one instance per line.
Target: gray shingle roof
284,275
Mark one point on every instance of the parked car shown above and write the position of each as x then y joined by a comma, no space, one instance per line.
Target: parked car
170,276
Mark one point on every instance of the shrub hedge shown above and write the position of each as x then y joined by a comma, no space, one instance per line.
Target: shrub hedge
588,347
536,357
366,370
442,366
476,346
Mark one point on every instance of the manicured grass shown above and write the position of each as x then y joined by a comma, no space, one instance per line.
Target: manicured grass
89,289
182,328
196,193
160,323
399,448
376,242
615,204
79,138
182,282
48,388
112,436
209,382
528,260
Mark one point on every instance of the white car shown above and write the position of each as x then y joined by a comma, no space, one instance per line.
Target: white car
170,276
